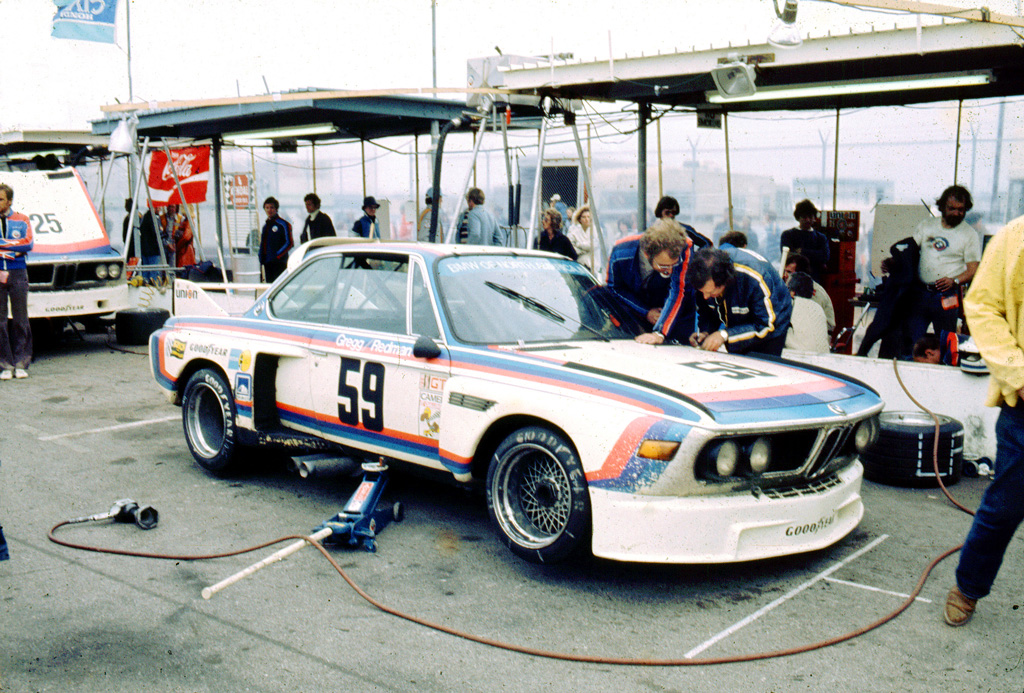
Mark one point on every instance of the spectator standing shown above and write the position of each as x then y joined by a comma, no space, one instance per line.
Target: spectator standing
177,236
367,225
748,306
807,328
666,207
795,262
423,224
561,208
647,272
275,242
317,224
481,226
551,237
995,313
581,234
149,241
15,243
806,240
950,252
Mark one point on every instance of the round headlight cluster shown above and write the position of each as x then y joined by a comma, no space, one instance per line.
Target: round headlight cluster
101,271
866,434
732,457
113,270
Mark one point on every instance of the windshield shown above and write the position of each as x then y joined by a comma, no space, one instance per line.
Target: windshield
522,300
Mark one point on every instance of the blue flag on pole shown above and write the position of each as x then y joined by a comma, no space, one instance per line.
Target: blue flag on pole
85,20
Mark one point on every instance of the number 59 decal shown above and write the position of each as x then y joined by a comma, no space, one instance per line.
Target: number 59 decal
365,403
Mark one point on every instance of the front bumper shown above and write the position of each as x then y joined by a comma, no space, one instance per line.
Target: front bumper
724,529
77,302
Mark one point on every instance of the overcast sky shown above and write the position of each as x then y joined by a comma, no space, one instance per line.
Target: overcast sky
183,49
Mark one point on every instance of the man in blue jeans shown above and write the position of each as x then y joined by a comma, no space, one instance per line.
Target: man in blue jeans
994,306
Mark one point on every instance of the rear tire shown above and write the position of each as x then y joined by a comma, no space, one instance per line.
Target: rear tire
537,496
208,416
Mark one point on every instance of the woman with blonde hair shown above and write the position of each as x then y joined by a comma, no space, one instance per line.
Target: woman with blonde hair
581,234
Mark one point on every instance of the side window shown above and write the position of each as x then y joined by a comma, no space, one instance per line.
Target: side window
307,296
372,292
424,321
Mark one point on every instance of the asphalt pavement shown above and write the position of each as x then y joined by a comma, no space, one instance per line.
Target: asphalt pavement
90,427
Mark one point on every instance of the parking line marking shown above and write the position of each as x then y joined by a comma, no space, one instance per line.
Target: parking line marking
875,589
105,429
784,598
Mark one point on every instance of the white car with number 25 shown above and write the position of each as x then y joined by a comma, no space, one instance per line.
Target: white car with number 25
516,368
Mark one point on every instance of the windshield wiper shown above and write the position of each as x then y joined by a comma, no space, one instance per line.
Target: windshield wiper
530,303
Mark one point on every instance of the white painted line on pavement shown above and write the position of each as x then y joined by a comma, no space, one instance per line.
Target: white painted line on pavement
783,599
117,427
875,589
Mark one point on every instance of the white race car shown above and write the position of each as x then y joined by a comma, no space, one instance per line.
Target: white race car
518,369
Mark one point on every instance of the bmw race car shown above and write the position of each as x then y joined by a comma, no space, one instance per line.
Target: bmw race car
517,369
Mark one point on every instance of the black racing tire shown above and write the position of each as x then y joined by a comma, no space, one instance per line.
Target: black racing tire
208,416
132,326
902,456
537,496
398,511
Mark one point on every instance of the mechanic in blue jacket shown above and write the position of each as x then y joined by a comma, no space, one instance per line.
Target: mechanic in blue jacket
15,242
647,272
749,304
275,242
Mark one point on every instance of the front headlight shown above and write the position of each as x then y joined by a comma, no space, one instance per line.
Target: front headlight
726,457
101,271
866,434
114,271
760,455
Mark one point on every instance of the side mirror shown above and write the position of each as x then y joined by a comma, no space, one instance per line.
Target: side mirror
425,348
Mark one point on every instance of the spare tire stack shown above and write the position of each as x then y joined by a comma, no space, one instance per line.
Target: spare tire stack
903,454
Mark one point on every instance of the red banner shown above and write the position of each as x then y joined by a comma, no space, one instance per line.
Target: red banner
193,167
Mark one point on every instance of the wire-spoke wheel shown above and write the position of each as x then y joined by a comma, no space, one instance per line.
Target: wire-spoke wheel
537,495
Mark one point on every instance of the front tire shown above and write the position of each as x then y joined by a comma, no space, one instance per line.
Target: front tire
208,416
537,496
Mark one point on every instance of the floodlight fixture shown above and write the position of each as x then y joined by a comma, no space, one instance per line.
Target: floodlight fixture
122,139
785,33
734,79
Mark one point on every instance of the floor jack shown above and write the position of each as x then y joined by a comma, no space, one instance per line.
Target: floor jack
358,523
361,520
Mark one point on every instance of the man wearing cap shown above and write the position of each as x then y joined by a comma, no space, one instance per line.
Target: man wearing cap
423,226
367,225
318,224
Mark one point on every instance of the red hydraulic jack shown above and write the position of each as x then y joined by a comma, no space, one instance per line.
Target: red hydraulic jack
359,523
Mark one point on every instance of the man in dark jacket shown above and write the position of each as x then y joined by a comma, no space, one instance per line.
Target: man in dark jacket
318,224
367,225
749,304
803,239
275,242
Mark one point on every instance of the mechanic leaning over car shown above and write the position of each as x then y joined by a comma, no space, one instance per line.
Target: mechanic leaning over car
647,272
742,302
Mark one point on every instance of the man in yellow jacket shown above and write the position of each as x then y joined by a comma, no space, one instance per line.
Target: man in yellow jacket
995,313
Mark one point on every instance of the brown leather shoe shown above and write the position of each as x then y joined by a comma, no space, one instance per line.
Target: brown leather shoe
959,608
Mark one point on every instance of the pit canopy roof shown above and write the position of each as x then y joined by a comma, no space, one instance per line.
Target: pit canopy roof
353,115
684,79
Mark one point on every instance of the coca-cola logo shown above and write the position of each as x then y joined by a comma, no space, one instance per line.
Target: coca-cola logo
182,165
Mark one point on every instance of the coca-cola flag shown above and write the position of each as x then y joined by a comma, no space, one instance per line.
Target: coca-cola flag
193,167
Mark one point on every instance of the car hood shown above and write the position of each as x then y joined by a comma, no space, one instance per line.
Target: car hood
725,387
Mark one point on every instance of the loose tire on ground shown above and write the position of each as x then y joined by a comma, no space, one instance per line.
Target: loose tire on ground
133,326
208,416
903,454
537,496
